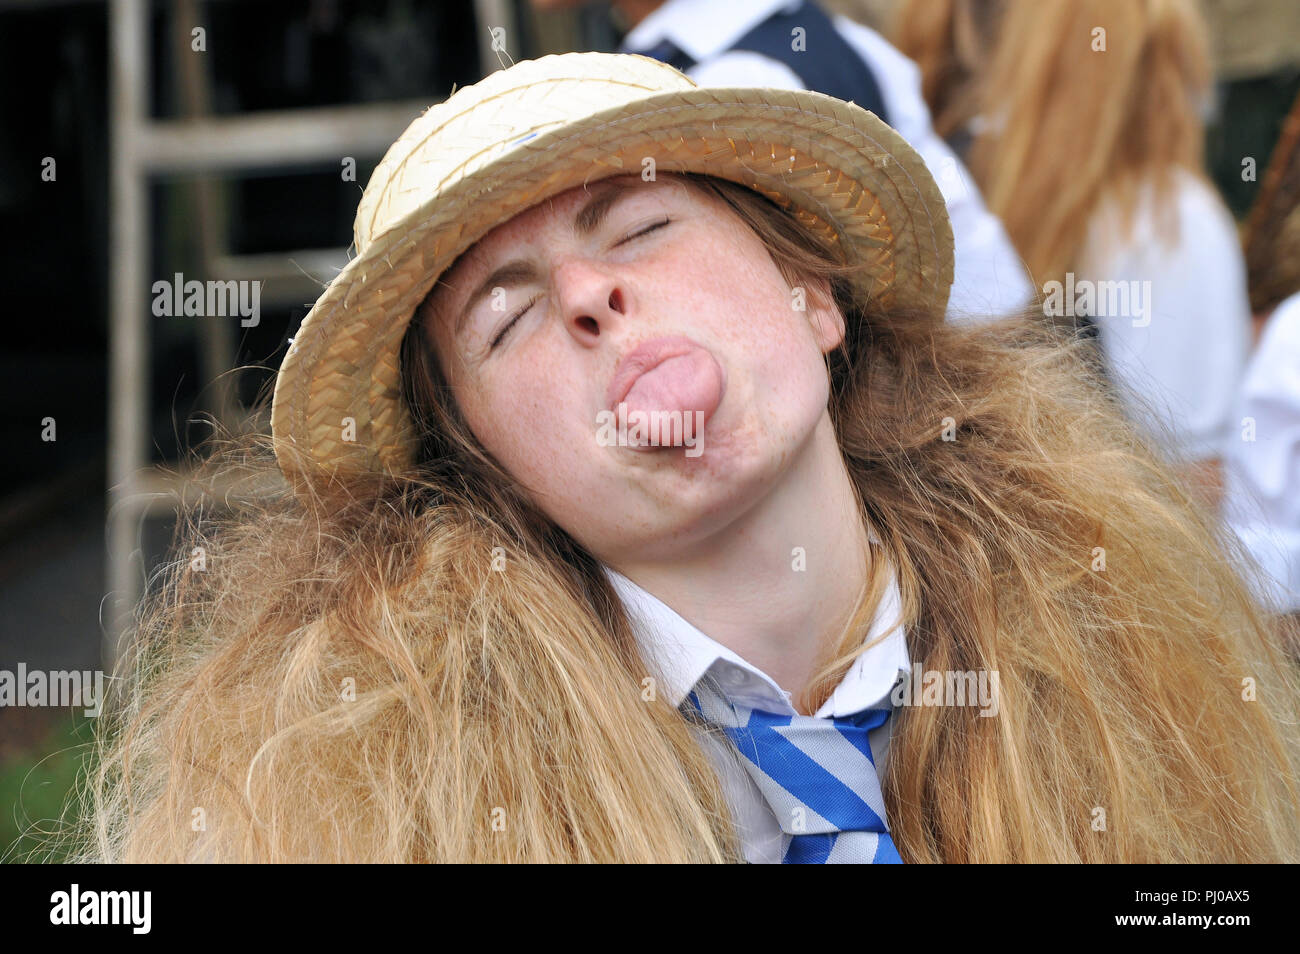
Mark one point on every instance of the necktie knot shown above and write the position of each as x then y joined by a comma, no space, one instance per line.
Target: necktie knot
817,775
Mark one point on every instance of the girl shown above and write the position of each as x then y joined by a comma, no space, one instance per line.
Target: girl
472,629
1088,142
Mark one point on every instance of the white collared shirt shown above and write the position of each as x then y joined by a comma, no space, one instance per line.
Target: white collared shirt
989,278
1178,360
682,655
1262,460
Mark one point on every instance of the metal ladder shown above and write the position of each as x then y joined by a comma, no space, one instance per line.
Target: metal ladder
141,147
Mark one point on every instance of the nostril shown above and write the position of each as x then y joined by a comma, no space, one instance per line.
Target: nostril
587,323
616,301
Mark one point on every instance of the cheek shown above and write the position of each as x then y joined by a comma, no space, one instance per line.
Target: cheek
735,280
523,424
500,424
762,319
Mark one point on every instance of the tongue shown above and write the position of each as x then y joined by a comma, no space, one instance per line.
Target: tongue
688,382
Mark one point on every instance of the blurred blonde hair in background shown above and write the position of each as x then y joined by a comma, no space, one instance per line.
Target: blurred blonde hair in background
950,41
1078,101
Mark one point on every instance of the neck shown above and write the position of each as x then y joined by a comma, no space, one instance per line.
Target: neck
749,588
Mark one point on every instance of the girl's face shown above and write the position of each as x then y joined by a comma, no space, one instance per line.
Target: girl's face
541,357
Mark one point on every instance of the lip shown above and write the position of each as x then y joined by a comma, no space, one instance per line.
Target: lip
644,357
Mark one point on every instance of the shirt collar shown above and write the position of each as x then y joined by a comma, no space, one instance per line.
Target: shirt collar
702,28
682,654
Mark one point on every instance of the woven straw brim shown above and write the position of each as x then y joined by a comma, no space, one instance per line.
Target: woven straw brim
845,174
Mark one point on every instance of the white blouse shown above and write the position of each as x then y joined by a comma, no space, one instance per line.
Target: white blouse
683,655
1177,352
1261,501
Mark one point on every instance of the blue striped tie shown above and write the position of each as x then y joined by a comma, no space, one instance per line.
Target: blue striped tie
817,775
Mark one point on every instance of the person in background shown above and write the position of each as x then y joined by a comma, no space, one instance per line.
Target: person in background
758,43
951,43
1262,473
1089,147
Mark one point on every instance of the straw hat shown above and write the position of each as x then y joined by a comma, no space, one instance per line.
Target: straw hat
523,134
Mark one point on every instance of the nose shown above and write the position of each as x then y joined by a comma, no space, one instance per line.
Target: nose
592,298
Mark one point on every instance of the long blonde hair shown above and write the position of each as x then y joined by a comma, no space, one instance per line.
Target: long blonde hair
421,667
1085,101
951,41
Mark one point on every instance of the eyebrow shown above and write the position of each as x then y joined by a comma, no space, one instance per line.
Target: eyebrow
587,221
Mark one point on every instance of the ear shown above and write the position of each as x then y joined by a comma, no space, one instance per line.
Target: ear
824,316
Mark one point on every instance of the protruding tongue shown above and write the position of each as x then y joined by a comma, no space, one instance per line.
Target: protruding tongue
687,382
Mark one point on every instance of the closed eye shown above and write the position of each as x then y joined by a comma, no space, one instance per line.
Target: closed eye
522,311
644,231
511,323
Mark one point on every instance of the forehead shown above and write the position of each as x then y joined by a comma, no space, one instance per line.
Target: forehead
560,209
